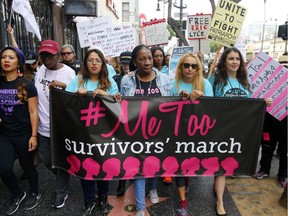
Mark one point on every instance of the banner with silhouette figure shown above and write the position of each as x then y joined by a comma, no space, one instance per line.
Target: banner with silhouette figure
97,138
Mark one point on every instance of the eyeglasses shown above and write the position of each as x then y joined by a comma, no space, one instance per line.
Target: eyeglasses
94,61
66,53
187,65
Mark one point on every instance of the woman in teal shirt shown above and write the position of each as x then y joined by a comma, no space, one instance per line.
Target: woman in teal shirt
188,83
94,78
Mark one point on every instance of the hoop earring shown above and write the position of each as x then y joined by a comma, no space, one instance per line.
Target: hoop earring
19,72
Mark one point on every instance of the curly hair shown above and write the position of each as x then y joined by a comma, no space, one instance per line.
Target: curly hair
198,80
221,75
104,82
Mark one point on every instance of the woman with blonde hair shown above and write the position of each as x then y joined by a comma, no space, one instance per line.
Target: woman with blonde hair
189,84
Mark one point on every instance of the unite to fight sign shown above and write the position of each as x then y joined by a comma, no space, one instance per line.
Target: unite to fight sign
227,23
97,138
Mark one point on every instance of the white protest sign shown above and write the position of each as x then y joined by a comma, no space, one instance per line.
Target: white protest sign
156,33
198,26
114,40
227,23
92,26
177,52
269,80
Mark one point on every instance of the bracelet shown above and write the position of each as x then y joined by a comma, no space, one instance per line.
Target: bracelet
34,136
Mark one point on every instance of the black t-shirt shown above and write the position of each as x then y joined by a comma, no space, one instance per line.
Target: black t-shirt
13,112
147,88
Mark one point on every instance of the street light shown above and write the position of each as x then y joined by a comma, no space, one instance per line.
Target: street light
263,25
181,7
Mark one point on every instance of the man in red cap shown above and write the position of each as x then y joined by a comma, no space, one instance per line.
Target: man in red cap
57,75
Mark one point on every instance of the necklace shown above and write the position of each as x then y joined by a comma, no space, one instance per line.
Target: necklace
46,93
148,90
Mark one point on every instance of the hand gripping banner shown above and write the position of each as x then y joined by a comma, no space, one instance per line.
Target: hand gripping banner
145,137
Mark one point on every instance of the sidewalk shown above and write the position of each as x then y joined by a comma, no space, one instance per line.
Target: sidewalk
243,196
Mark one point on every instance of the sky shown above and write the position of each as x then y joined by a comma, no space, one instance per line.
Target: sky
276,10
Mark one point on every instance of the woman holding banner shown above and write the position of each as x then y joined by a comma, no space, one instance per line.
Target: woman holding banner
189,84
229,80
94,78
145,81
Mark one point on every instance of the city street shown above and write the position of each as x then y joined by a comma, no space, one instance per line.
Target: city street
243,196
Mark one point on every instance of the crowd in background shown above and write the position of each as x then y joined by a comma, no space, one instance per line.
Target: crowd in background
26,81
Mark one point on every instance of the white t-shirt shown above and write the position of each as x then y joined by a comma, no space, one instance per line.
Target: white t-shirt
43,78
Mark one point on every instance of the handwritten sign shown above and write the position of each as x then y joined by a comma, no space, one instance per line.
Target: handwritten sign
269,79
226,23
156,32
114,40
177,52
92,26
198,25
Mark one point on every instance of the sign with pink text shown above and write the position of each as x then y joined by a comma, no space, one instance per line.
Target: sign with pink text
198,26
97,138
269,79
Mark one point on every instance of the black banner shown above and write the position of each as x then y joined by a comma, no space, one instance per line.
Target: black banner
101,139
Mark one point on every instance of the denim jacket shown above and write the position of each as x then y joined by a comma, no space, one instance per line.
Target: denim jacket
128,83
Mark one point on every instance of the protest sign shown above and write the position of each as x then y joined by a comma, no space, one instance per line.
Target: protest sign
90,27
156,32
97,138
177,52
226,23
269,80
114,40
198,25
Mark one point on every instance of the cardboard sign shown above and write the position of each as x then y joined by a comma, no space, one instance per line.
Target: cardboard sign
177,52
227,23
198,26
156,32
269,80
90,27
114,40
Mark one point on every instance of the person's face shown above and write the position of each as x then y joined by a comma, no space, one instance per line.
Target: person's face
67,55
167,60
9,61
94,63
189,68
49,60
232,62
158,58
144,60
125,68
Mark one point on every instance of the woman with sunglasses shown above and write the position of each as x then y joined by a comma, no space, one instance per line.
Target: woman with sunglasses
189,84
94,78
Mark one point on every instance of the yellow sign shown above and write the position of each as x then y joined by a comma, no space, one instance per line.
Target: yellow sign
227,23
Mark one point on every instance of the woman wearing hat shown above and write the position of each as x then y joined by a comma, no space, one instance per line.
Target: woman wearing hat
18,128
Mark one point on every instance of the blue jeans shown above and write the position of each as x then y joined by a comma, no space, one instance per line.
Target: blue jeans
139,190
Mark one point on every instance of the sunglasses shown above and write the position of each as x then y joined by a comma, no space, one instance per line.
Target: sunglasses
66,53
187,65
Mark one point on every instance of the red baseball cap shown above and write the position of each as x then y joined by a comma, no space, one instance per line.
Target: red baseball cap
49,46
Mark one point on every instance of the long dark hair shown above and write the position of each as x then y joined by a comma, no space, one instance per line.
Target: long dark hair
221,75
104,82
154,49
21,84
